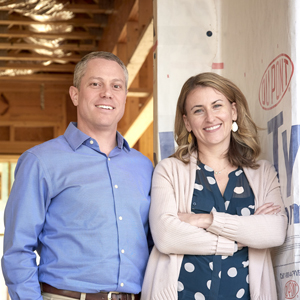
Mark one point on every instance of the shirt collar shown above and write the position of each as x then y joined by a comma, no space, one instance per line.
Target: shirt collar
122,143
76,138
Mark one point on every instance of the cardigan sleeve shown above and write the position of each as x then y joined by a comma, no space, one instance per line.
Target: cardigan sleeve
172,236
256,231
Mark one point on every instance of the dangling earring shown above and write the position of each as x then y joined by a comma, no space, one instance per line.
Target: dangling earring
190,138
234,126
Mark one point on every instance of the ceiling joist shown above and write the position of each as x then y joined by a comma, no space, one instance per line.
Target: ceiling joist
36,57
67,47
67,36
77,8
38,67
73,22
125,28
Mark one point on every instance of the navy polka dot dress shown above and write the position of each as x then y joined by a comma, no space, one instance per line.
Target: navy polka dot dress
215,277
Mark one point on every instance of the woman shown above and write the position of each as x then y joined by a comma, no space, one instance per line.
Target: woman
215,210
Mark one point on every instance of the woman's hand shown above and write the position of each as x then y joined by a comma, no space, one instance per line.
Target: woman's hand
268,209
198,220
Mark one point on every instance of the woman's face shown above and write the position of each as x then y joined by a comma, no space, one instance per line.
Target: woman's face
209,115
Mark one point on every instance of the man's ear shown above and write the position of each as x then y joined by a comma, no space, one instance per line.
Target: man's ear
73,91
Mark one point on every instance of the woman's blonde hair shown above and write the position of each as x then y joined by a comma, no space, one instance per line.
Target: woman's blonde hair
244,144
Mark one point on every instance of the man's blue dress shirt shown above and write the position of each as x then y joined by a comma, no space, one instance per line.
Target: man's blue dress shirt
86,215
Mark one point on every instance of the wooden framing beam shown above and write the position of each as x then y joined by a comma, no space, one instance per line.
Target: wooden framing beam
67,47
15,147
73,22
139,92
39,77
77,8
36,57
115,24
140,124
140,52
130,27
39,68
33,87
67,36
88,9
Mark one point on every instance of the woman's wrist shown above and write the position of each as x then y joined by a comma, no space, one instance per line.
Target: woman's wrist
205,220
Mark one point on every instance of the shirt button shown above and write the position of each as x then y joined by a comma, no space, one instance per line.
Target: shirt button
123,251
116,186
109,158
91,142
194,203
122,284
120,218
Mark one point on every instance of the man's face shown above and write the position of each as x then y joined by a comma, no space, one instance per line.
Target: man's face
101,98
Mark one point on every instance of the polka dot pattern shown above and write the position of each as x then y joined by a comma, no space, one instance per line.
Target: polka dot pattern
201,276
209,169
208,284
245,263
239,190
232,272
227,204
238,173
189,267
236,247
199,296
211,180
180,286
213,209
240,293
198,187
245,211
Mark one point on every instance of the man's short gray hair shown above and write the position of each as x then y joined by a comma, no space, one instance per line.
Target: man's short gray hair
81,65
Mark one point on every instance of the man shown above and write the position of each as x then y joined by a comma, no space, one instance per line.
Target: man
81,201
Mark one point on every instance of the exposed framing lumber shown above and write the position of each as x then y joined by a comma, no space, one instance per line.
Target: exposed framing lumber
78,8
67,47
39,68
115,25
36,57
140,124
40,78
73,22
141,52
67,36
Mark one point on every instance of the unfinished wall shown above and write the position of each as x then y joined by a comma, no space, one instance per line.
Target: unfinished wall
254,44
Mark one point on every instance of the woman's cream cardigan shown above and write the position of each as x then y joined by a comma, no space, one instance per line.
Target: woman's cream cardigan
172,190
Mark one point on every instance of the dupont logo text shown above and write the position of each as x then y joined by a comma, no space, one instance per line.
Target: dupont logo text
275,81
291,289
